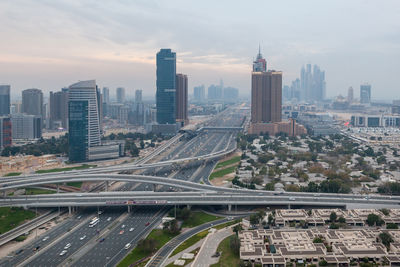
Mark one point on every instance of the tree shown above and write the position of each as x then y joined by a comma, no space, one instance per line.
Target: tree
254,219
341,220
318,239
392,226
333,216
373,219
386,238
323,263
270,219
148,245
172,227
333,226
234,244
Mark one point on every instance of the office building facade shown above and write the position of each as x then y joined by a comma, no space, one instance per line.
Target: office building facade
138,96
59,109
106,95
5,132
231,94
182,99
32,102
120,95
25,126
4,100
166,92
84,119
266,97
365,93
215,92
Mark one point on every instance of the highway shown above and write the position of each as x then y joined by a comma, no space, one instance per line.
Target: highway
205,143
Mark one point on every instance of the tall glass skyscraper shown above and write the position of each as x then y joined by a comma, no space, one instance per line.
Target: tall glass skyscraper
4,100
84,119
165,97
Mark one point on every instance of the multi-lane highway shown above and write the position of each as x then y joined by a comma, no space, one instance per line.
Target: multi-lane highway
91,253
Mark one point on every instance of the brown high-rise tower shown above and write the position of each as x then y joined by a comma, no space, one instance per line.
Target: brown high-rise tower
181,98
266,97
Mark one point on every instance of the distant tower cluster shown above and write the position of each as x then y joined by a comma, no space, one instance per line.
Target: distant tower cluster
313,84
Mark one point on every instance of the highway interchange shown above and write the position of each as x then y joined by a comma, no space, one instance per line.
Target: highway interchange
73,229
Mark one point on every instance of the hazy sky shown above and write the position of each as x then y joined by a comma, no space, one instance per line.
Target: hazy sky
49,44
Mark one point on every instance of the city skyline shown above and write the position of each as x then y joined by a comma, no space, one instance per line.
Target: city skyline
122,53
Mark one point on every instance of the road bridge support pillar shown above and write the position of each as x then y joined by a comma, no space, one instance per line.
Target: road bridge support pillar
129,209
289,206
58,188
4,194
69,210
106,186
188,207
230,207
154,188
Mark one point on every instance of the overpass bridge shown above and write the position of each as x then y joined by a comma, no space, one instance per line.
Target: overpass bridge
222,128
192,198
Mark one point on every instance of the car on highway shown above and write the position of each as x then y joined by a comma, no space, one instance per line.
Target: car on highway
123,226
19,252
292,199
127,245
45,238
79,217
82,237
147,224
108,219
67,246
36,248
62,253
131,229
102,240
121,232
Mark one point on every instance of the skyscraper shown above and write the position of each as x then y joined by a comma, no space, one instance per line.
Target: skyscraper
4,100
32,102
121,95
350,94
106,95
266,93
138,96
181,98
199,93
365,93
84,119
59,109
266,97
165,96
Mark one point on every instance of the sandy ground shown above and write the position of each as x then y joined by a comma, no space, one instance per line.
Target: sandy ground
224,180
14,245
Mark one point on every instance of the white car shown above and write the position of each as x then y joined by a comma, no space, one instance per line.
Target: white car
123,226
127,245
131,229
108,219
63,253
45,238
67,246
82,237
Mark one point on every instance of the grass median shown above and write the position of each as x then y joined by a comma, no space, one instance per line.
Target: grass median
190,242
139,253
222,172
12,174
228,162
197,218
82,167
38,191
13,217
227,258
